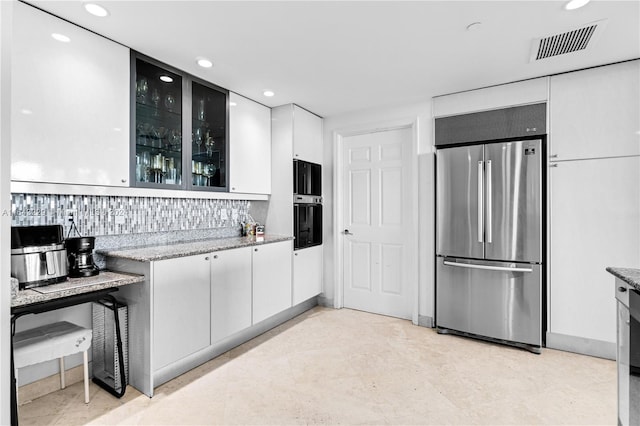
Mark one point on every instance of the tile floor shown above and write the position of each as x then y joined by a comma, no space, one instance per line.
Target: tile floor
348,367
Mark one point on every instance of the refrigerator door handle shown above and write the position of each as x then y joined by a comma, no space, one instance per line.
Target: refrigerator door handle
489,212
488,268
480,203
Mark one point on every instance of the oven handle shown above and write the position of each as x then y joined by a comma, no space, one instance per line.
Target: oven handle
488,268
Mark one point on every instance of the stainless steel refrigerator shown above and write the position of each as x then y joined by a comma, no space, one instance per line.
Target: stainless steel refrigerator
489,241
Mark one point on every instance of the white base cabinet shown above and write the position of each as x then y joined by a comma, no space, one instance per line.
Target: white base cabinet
181,308
307,273
230,292
271,273
194,308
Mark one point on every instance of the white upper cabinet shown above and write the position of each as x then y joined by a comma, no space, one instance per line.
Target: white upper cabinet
250,146
70,103
595,113
307,136
495,97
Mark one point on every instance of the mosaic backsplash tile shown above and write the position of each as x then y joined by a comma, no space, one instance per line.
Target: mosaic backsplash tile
103,215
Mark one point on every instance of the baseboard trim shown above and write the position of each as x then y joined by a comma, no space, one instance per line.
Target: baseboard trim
325,302
581,345
47,385
425,321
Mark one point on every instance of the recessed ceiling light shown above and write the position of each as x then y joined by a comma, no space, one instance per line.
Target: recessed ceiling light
60,37
474,26
166,79
204,62
575,4
96,10
268,93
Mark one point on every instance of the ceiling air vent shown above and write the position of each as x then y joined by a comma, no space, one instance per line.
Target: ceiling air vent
567,42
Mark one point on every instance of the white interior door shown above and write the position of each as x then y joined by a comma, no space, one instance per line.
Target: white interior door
378,257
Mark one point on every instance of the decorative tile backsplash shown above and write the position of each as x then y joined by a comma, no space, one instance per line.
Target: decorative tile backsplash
104,215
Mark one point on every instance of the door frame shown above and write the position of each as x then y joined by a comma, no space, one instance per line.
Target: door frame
338,205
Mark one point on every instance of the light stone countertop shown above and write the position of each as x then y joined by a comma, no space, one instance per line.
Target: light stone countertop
74,286
170,251
629,275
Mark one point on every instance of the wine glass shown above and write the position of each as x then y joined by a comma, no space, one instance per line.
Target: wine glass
155,98
209,144
198,137
169,102
142,87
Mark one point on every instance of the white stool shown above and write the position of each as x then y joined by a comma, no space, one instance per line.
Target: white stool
53,341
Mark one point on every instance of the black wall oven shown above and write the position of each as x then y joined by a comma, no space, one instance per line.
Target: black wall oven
307,222
307,204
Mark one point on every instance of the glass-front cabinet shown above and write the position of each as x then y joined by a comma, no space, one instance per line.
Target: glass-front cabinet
179,137
209,137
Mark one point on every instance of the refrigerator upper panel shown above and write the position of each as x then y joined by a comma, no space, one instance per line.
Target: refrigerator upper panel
459,191
513,201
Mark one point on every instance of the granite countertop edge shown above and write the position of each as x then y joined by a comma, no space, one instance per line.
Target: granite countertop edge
629,275
74,286
174,250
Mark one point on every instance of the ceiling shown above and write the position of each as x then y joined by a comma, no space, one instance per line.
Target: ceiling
334,57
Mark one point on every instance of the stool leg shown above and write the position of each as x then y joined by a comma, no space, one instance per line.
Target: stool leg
86,377
62,383
16,376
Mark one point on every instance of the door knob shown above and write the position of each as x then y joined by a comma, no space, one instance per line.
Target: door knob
346,232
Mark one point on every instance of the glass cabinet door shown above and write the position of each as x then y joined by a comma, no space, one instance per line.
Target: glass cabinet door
209,138
158,126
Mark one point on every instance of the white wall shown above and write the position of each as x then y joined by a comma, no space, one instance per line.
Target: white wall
6,11
419,112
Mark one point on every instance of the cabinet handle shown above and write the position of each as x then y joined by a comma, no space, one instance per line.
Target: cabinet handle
553,156
233,188
255,249
215,256
553,165
206,258
295,254
622,289
123,180
531,129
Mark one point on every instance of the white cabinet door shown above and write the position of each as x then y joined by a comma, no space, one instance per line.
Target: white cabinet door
230,292
70,103
307,273
181,293
249,146
595,223
271,279
595,112
307,136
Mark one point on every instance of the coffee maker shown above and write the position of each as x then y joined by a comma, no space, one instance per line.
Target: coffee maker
80,256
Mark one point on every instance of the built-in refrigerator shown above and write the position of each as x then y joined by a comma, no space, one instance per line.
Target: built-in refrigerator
489,242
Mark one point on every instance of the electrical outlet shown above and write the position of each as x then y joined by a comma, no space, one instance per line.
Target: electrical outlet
71,215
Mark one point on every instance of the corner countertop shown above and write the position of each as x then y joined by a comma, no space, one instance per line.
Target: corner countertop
74,286
629,275
170,251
